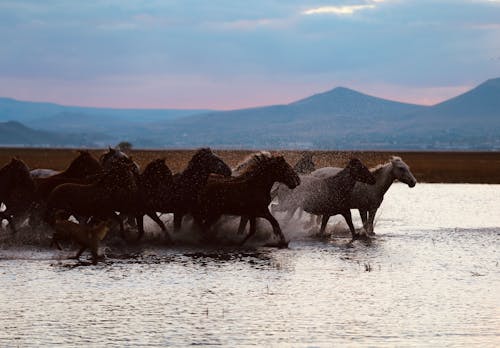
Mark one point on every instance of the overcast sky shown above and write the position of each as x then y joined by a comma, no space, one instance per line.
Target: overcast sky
226,54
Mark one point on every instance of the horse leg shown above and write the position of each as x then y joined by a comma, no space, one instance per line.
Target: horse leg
80,252
156,219
160,223
276,228
324,221
364,218
252,230
178,221
140,226
371,217
243,224
118,219
348,218
208,234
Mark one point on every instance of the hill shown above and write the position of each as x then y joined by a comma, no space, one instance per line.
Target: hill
16,134
337,119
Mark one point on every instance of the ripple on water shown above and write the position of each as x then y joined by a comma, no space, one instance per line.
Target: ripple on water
422,281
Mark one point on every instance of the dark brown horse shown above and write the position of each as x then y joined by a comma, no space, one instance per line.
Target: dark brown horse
17,191
155,187
187,184
79,170
247,194
115,190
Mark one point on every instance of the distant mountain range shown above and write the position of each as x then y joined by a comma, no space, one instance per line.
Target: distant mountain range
338,119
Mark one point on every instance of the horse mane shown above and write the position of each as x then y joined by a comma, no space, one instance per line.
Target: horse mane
156,168
254,163
379,167
195,160
72,165
250,160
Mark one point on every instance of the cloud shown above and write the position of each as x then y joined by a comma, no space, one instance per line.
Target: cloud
338,10
342,9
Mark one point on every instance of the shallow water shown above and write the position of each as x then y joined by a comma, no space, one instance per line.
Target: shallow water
431,277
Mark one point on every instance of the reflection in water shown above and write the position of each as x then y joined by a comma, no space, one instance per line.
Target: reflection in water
430,277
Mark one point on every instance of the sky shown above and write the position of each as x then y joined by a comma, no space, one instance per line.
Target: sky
228,54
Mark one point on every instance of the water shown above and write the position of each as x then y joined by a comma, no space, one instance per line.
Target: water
430,278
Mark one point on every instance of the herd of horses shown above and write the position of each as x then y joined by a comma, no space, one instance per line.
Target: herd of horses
113,187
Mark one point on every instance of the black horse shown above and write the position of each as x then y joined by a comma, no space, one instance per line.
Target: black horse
155,187
187,184
113,190
247,194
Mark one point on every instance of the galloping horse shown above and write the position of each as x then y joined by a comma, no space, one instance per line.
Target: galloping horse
108,159
247,194
329,196
155,187
187,185
368,198
17,191
112,191
79,170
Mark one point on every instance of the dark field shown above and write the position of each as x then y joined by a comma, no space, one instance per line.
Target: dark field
432,167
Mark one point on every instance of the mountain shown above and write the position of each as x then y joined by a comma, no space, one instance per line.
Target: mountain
326,120
482,102
346,119
13,133
337,119
70,119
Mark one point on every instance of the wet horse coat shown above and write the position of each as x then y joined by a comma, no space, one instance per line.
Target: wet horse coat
328,196
368,198
247,194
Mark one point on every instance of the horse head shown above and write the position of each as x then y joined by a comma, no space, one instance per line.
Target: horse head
205,159
401,172
108,159
83,165
285,173
157,171
360,172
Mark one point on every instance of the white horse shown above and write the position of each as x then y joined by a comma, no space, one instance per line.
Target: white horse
327,196
368,198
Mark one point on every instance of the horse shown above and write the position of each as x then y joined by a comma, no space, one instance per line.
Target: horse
108,159
114,190
305,164
17,191
156,184
82,167
240,169
327,196
188,183
247,194
368,198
